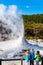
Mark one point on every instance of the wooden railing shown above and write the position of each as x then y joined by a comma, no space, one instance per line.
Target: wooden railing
17,60
11,60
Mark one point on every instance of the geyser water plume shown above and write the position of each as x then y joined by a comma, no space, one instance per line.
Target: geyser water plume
11,28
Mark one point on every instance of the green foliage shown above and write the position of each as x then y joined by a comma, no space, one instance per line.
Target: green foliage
33,26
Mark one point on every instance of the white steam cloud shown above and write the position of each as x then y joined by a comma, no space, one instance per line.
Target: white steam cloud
10,20
11,9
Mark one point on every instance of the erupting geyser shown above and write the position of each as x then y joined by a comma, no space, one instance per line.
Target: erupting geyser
11,28
12,32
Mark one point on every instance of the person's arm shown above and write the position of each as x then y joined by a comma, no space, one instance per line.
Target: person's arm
35,56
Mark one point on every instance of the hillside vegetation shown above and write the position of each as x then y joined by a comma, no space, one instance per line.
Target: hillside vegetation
33,26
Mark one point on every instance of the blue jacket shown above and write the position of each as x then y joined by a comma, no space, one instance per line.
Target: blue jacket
27,58
32,55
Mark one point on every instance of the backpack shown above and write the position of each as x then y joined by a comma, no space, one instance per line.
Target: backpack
27,57
38,58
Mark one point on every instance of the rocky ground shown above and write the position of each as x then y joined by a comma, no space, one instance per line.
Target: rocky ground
36,42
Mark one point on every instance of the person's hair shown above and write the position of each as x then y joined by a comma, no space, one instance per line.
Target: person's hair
27,52
38,52
31,48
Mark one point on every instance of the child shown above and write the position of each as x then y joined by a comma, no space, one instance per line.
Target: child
32,55
27,57
37,57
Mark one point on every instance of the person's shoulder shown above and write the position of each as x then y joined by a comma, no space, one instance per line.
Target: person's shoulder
40,55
